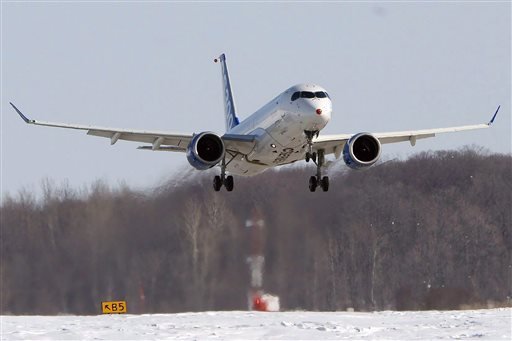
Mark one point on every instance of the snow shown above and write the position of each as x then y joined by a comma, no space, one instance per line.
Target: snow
491,324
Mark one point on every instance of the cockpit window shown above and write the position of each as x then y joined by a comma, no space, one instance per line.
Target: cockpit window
307,94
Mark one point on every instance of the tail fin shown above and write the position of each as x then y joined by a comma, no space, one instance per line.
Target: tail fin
229,103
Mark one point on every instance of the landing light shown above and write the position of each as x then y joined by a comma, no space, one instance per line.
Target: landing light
319,111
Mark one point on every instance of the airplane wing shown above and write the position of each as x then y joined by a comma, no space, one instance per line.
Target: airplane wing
158,140
333,144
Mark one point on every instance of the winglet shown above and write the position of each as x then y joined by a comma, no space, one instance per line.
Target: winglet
21,114
492,119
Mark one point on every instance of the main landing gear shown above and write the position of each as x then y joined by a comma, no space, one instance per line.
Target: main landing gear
319,159
227,181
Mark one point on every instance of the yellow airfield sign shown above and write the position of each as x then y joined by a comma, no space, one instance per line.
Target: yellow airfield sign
113,307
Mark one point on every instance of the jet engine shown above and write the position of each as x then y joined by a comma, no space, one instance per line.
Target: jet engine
205,150
362,150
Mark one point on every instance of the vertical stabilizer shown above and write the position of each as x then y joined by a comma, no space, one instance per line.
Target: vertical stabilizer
229,103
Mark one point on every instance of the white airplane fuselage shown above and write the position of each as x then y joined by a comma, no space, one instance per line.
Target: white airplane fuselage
279,126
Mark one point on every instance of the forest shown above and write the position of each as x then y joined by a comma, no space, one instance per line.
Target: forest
430,232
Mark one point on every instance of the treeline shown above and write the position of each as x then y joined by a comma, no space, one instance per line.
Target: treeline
432,232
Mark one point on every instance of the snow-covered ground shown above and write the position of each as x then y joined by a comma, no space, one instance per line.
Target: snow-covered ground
489,324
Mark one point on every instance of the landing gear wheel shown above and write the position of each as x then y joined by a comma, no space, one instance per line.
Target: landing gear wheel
313,157
313,183
229,183
308,157
217,183
325,183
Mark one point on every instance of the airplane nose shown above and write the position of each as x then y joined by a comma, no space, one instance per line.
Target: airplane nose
318,116
315,113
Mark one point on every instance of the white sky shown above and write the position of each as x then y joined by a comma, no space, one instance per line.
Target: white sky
387,66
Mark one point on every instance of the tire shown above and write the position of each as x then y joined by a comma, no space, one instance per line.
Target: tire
217,183
325,183
312,183
307,156
229,183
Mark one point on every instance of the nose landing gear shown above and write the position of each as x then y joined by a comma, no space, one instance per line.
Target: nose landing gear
317,180
310,155
319,159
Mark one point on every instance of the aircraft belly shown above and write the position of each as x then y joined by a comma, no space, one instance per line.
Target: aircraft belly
269,152
282,142
243,167
286,130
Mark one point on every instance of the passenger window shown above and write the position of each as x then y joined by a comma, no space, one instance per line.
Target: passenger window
320,94
307,94
295,96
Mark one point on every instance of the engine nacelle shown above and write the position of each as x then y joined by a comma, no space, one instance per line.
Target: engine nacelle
362,150
205,150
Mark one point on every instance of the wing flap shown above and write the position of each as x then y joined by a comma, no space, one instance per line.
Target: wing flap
164,149
163,139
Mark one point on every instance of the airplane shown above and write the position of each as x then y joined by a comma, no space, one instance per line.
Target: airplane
285,130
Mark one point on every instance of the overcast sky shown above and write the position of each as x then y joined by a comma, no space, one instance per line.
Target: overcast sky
387,67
